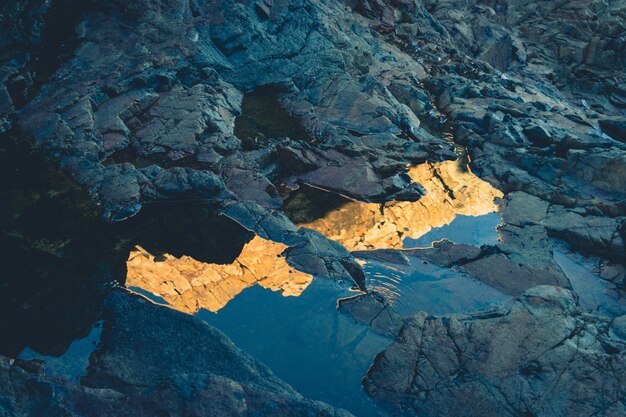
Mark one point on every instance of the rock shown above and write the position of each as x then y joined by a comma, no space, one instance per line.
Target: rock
371,309
593,234
618,327
615,128
503,364
538,136
228,107
512,278
520,209
446,253
618,98
184,180
498,52
450,189
196,370
498,270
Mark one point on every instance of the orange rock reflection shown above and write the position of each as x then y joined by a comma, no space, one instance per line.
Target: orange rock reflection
189,285
451,190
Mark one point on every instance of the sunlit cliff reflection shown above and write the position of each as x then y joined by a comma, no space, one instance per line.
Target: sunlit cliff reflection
189,285
452,190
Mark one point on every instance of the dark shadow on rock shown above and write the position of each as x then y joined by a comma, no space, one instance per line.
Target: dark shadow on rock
51,35
307,204
60,257
263,117
154,361
192,229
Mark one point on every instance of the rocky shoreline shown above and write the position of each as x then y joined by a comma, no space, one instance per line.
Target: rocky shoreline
220,133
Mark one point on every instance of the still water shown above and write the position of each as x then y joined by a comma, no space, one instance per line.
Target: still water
72,365
289,320
323,354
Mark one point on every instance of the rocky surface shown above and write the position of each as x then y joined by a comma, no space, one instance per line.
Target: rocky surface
544,357
196,129
196,372
162,122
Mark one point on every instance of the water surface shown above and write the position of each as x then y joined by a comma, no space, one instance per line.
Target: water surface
471,230
304,340
430,288
72,364
289,320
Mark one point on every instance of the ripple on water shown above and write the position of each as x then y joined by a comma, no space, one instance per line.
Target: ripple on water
430,288
289,320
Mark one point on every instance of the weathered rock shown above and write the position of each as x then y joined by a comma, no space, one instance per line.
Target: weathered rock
196,371
451,189
615,128
372,309
513,278
228,106
504,365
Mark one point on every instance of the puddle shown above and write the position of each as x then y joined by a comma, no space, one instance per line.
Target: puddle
427,287
595,294
290,322
304,340
71,365
266,307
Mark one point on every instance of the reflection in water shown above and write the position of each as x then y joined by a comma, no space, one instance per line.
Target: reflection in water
451,190
71,365
325,354
189,285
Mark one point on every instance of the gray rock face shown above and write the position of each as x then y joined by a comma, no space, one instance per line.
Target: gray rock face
231,105
217,101
265,95
543,358
170,98
196,372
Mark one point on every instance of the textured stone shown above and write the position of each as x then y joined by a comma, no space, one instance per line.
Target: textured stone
505,364
195,371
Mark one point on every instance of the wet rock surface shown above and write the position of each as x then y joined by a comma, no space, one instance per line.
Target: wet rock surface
332,132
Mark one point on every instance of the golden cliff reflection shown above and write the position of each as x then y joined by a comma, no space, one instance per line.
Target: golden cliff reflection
451,190
189,285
